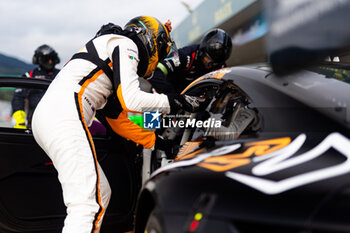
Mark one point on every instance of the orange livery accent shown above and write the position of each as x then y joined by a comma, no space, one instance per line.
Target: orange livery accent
212,76
231,161
268,146
188,150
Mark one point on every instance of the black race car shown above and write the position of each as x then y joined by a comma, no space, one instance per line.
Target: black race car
279,162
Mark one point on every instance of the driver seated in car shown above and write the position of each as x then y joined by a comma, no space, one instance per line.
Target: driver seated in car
178,70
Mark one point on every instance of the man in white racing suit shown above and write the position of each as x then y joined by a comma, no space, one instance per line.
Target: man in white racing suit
102,75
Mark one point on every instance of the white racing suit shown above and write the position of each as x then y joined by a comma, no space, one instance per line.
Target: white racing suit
61,119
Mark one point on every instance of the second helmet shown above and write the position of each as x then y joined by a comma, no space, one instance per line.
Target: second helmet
42,56
217,45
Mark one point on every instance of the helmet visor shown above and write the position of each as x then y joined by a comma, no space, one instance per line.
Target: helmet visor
46,59
173,51
165,46
47,62
209,62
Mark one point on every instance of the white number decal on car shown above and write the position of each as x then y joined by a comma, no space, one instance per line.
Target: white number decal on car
280,160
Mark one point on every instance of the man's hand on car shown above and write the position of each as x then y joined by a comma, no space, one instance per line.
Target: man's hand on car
185,102
165,145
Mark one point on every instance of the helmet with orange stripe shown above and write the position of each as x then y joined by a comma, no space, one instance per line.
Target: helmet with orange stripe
153,41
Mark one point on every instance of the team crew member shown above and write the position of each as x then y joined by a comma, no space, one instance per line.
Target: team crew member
102,75
178,70
46,58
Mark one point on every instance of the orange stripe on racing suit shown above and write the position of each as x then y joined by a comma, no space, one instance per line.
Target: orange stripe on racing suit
121,99
80,94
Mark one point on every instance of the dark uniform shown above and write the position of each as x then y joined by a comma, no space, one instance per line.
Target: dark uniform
33,96
177,71
180,71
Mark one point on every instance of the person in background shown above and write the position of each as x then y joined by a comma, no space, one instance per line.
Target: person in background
46,58
103,75
178,70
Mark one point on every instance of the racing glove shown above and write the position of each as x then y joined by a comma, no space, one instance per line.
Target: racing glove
165,145
185,102
20,118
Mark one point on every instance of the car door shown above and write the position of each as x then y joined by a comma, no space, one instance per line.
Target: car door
30,193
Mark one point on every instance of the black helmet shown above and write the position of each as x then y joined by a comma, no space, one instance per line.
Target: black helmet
217,45
42,56
153,41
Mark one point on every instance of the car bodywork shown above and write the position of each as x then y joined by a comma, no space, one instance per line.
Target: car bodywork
286,171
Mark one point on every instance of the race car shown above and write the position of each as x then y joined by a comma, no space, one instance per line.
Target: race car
279,162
